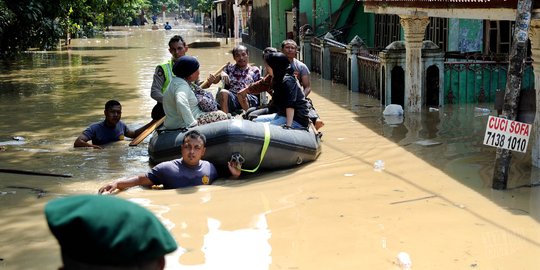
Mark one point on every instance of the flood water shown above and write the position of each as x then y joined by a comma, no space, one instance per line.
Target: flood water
431,200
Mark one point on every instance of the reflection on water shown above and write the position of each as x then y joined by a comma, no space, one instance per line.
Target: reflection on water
246,248
448,138
330,209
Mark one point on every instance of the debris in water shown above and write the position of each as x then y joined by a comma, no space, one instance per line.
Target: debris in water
481,111
378,166
404,261
393,109
12,142
40,192
413,200
428,143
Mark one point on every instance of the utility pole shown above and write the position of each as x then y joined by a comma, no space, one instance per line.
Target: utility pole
314,15
296,20
517,56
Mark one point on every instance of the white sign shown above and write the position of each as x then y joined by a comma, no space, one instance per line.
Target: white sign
507,134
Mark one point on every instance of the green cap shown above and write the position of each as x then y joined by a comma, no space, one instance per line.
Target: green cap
106,230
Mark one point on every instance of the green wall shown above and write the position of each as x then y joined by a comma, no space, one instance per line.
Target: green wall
323,13
278,21
362,25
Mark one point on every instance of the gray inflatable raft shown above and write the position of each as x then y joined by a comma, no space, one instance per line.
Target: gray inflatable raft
286,147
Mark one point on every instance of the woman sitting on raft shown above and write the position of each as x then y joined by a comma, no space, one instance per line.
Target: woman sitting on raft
180,103
288,98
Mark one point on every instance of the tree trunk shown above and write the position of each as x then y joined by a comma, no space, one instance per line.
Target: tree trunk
513,86
314,15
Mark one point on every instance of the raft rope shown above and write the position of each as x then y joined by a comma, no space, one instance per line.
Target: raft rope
264,148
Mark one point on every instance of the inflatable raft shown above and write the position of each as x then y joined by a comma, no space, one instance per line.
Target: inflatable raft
261,145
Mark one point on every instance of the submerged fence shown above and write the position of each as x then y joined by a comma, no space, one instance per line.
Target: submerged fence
339,65
478,80
466,80
369,67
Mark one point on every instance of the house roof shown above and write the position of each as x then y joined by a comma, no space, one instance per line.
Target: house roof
465,9
448,4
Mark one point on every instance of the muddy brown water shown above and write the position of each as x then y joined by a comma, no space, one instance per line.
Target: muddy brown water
431,200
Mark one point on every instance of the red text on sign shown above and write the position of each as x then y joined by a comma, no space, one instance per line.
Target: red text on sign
519,128
497,123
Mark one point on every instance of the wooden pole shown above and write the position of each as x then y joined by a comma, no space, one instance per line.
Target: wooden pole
147,131
314,16
15,171
513,86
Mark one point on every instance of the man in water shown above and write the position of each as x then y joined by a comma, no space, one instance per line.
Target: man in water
106,232
109,130
167,26
190,170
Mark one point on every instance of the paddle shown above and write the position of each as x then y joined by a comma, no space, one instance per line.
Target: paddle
14,171
157,123
207,83
147,132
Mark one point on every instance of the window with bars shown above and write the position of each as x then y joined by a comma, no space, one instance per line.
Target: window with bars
497,36
387,29
437,31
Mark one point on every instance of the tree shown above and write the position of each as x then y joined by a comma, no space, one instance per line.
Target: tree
205,6
40,24
121,12
28,24
156,5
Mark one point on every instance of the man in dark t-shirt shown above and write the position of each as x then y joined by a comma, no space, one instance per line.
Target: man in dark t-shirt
190,170
109,130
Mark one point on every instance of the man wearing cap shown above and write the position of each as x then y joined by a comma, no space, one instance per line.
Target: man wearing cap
105,232
180,104
188,171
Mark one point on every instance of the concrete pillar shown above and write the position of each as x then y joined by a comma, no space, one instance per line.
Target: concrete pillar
326,69
353,48
305,45
414,27
534,32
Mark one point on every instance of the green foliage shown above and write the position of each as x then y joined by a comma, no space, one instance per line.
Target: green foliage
121,12
28,24
205,6
155,6
6,16
41,23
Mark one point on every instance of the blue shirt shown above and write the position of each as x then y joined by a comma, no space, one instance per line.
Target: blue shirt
100,133
174,174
